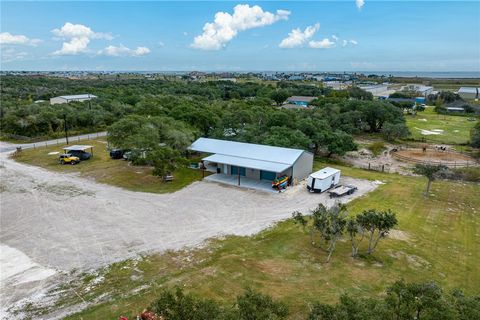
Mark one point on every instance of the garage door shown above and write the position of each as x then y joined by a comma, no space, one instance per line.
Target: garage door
267,175
234,170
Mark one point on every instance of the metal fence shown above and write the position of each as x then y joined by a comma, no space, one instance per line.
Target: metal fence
451,164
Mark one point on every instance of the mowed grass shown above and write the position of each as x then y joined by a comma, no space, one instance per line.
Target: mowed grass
456,129
440,241
102,169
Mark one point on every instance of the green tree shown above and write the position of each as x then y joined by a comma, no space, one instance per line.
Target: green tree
475,136
429,171
279,96
393,131
328,223
252,305
376,224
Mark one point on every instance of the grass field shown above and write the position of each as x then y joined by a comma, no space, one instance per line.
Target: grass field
114,172
439,240
456,129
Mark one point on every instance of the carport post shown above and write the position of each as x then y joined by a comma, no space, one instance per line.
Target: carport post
238,175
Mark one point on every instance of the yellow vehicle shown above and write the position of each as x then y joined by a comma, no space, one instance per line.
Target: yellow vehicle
67,158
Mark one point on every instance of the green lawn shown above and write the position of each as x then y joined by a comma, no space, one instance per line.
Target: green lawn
456,129
441,242
114,172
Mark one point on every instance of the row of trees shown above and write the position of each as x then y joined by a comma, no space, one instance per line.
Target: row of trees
210,107
331,224
401,301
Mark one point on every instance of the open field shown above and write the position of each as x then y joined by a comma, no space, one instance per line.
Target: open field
77,224
437,239
454,129
105,170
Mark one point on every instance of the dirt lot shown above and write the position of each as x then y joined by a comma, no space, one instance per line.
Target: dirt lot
52,223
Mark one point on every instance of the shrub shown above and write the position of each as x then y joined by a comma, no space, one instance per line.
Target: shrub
376,147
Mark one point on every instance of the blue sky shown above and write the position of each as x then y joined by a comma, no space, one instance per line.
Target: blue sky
165,36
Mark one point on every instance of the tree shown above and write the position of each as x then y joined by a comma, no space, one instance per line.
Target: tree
339,142
279,96
393,131
165,160
356,235
328,223
254,305
431,172
179,306
376,224
475,136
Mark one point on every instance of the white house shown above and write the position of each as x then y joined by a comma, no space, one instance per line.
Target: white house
254,161
68,99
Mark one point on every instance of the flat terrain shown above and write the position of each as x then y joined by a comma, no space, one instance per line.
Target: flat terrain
105,170
437,239
437,128
60,221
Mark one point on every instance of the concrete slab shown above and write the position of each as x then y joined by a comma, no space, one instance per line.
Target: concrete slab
245,182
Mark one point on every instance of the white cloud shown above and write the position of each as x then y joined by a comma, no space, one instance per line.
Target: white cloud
346,42
322,44
226,26
122,51
334,37
359,4
297,37
8,38
77,38
11,54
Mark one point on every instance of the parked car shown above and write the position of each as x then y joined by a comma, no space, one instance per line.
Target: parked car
67,158
117,153
127,155
82,155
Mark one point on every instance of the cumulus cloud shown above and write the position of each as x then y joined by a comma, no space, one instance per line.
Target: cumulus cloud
77,38
8,38
11,54
226,26
359,4
122,51
297,37
322,44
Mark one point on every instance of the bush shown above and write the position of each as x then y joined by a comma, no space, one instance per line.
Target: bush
376,147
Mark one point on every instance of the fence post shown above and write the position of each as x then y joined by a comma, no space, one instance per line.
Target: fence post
383,168
45,144
34,146
369,166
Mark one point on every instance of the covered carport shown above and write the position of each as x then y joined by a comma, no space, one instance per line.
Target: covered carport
78,147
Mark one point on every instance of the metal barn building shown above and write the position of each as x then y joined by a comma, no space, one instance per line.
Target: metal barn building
469,93
254,161
67,99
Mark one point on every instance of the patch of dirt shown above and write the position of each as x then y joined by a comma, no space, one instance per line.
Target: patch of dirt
274,266
399,235
413,260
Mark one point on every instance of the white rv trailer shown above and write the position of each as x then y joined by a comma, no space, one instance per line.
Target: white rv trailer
323,179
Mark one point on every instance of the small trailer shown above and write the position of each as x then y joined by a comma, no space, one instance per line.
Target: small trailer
323,179
340,191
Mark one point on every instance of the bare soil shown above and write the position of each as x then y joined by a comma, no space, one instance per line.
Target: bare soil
62,222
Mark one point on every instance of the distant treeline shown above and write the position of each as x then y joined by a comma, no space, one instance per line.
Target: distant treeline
222,109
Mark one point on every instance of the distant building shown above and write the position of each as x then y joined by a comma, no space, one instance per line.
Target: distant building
419,88
377,90
301,101
455,109
469,93
68,99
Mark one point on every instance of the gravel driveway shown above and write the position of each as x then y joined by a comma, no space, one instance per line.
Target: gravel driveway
60,221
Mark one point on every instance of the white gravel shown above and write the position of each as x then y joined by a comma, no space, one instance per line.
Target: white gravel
51,221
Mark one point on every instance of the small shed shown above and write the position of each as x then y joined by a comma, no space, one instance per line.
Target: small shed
323,179
78,147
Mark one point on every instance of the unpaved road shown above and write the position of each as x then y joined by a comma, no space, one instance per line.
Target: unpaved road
52,221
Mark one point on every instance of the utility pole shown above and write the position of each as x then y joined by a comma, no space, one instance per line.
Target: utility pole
65,127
